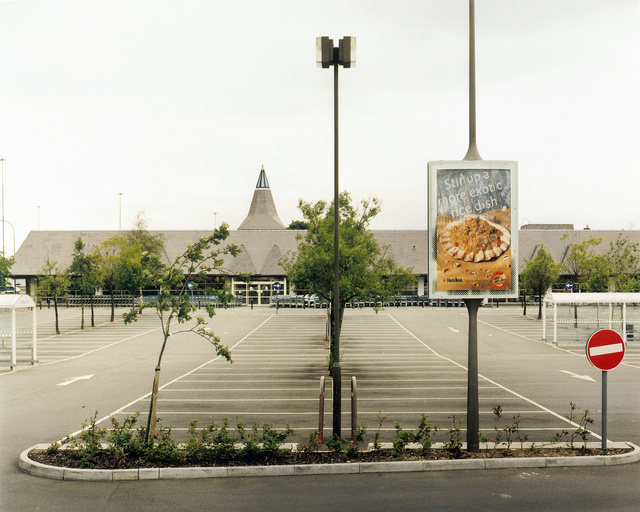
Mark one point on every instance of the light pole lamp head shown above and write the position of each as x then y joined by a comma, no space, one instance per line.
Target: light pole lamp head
324,52
347,52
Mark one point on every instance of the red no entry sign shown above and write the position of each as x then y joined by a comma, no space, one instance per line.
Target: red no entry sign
605,349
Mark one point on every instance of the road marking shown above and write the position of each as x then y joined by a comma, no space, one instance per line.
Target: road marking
75,379
100,348
512,392
575,375
143,397
454,330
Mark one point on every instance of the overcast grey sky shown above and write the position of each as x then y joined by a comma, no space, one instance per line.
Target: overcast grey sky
178,104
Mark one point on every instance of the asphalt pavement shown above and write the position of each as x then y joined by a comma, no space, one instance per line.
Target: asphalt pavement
407,361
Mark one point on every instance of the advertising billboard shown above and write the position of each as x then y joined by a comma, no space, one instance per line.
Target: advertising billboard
472,229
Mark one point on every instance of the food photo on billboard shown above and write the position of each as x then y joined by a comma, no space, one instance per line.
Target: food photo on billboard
472,228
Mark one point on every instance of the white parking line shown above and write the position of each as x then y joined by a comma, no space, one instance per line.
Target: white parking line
143,397
504,388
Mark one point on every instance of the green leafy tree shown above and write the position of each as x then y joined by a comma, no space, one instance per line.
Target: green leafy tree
581,258
539,274
365,270
624,265
84,276
112,257
298,224
54,282
125,260
140,236
172,303
597,274
5,269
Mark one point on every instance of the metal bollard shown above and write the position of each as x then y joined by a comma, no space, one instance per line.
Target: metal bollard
354,407
321,410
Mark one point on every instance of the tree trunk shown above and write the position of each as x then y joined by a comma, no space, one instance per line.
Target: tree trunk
92,315
153,407
153,404
539,307
82,315
55,307
113,306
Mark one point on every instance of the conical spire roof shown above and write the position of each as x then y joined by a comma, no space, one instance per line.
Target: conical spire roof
262,212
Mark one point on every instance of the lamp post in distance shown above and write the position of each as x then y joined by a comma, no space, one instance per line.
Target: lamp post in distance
120,212
343,55
2,161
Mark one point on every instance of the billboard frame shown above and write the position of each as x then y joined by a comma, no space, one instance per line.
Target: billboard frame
479,202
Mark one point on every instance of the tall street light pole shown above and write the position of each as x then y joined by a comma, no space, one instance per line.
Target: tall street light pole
14,234
2,160
120,212
473,409
326,56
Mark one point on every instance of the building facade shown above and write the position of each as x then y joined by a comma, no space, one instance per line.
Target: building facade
264,240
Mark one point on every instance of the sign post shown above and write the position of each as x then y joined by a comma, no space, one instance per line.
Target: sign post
276,287
605,350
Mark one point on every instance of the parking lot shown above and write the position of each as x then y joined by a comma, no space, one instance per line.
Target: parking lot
407,362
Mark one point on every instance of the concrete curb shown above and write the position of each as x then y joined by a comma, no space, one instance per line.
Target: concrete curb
113,475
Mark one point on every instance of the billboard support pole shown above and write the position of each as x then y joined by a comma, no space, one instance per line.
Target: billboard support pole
472,152
473,409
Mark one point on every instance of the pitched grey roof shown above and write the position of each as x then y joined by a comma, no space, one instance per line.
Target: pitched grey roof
262,249
264,241
531,239
262,212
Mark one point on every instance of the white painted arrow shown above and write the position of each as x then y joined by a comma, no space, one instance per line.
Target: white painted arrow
454,330
583,377
75,379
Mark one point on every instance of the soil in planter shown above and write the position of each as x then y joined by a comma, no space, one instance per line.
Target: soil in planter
103,459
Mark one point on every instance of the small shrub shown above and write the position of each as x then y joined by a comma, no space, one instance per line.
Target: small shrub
485,440
454,445
376,438
423,433
511,430
263,441
347,448
164,447
91,436
497,414
403,437
221,441
312,445
123,441
421,436
581,431
359,433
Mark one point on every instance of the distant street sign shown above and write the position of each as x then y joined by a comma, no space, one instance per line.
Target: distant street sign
276,286
569,285
605,349
190,285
